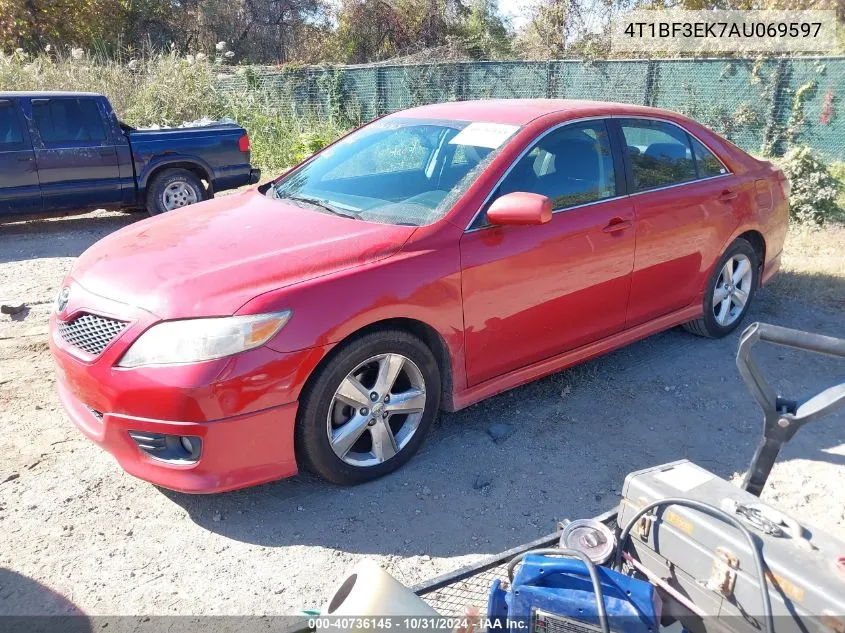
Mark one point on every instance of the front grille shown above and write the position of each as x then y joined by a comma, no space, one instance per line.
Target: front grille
90,332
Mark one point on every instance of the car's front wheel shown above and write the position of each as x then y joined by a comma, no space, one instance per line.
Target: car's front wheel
368,409
729,291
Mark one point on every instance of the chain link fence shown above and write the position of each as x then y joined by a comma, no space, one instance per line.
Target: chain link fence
762,105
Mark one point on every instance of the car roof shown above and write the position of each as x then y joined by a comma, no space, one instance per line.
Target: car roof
523,111
41,94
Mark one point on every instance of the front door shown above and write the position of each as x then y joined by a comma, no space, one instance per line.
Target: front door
531,292
19,192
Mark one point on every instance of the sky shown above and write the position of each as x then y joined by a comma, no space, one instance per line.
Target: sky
515,10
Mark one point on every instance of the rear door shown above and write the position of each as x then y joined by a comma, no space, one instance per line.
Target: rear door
77,159
19,191
684,212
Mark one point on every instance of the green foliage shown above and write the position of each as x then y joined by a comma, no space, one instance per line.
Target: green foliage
310,141
796,117
34,24
837,170
168,89
814,189
484,33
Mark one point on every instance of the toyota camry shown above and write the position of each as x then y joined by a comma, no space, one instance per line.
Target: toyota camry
425,261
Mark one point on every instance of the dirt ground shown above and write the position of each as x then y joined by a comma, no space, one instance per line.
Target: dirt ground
105,543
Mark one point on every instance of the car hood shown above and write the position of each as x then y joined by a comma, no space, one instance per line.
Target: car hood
211,258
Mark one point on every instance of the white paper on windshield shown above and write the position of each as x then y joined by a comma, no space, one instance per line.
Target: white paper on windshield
484,134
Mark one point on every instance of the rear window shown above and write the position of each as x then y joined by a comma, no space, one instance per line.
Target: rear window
707,163
68,121
660,154
10,128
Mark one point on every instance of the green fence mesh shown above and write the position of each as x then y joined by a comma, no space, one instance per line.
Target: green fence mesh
762,105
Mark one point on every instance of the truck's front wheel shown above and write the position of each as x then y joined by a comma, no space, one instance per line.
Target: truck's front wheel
172,189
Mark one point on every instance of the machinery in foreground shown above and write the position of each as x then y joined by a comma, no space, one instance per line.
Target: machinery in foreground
684,549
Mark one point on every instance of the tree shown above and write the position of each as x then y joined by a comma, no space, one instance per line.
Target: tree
485,34
369,30
33,24
551,23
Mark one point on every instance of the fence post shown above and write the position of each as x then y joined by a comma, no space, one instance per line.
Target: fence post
461,82
380,105
773,132
651,82
551,79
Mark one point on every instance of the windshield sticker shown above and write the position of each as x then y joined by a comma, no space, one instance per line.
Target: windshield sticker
490,135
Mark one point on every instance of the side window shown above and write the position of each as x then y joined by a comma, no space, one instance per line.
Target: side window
10,129
707,163
68,120
572,165
660,153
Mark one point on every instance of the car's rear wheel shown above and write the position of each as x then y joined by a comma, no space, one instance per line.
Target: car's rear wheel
729,291
173,189
369,408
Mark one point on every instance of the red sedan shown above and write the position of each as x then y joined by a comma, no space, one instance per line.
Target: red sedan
428,260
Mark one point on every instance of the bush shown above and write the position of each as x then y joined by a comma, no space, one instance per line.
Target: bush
837,170
167,89
814,190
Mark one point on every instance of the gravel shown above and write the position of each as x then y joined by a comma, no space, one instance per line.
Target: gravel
77,533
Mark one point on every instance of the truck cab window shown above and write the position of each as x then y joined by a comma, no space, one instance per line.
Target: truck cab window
68,121
10,129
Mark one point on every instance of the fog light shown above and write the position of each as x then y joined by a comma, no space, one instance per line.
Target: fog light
176,449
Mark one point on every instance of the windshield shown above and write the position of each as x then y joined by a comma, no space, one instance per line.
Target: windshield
396,171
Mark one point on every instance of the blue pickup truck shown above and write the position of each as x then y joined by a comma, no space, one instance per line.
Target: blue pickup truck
62,152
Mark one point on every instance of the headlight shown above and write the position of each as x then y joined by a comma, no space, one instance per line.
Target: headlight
193,340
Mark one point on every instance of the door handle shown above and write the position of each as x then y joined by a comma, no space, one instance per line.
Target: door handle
24,158
617,224
727,195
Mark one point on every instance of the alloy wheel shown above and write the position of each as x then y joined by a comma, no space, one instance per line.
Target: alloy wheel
733,287
376,410
178,194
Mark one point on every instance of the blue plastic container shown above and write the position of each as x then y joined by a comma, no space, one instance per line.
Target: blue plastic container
562,587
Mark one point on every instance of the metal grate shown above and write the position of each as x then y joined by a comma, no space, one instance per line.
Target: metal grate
453,600
90,332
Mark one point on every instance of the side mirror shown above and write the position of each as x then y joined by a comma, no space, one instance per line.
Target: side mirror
520,208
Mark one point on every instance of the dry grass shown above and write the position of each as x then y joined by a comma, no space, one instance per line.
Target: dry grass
168,89
813,265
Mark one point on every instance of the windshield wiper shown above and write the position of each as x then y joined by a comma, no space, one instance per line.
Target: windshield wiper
323,205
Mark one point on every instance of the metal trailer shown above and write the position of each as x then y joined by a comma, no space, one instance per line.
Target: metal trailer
452,593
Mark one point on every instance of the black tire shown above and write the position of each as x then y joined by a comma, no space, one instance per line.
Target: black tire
313,448
707,325
156,188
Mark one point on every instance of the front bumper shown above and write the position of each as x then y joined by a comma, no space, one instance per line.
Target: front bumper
237,452
243,407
